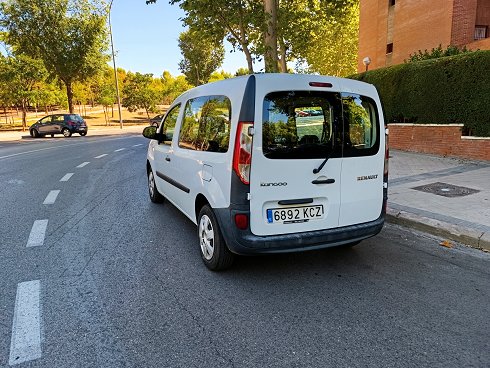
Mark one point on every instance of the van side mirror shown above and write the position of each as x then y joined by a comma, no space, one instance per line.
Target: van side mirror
150,132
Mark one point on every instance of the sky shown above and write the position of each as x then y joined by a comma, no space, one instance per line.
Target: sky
146,38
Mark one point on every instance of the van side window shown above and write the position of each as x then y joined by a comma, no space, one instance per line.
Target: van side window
206,124
361,125
168,125
301,125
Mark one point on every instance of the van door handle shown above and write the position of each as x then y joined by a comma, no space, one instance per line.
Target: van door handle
167,159
296,201
323,181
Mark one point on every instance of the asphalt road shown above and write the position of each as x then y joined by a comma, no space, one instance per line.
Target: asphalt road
117,281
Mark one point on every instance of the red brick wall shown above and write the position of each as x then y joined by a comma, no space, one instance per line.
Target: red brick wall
417,25
444,140
464,17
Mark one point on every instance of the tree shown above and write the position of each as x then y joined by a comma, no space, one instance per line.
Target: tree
331,48
239,21
20,74
139,92
173,87
70,37
221,75
201,55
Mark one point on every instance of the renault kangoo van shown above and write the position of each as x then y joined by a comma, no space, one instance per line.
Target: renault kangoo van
273,163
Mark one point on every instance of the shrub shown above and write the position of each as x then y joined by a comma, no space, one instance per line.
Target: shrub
447,90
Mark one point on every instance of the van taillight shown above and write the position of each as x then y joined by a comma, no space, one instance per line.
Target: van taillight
387,155
242,155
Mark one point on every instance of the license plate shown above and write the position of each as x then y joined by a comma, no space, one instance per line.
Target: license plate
294,214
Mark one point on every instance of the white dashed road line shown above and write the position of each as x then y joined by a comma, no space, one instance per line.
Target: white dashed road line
66,177
25,344
136,145
120,149
100,156
51,198
83,164
38,231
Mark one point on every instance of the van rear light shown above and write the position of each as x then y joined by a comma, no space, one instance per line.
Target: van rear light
242,155
387,155
241,221
320,84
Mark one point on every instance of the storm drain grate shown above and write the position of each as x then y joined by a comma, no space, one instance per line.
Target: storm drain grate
446,190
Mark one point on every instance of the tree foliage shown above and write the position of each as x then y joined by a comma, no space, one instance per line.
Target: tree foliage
201,56
139,92
320,34
19,75
69,36
332,42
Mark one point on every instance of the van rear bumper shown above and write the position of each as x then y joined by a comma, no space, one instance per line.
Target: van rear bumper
243,242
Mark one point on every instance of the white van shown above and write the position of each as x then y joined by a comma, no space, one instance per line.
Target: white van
273,163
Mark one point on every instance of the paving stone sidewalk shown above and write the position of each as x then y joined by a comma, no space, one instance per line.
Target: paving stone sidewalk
448,197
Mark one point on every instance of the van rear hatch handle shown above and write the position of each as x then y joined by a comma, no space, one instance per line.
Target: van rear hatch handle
324,181
296,201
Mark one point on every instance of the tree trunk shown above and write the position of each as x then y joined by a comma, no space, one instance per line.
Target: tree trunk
24,115
270,36
283,62
69,96
250,63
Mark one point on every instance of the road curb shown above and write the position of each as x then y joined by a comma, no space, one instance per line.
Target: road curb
473,238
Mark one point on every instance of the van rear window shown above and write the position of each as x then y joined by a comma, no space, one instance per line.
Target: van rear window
312,124
300,124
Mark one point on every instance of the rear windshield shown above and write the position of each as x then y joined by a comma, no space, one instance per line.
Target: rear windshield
300,124
312,124
73,117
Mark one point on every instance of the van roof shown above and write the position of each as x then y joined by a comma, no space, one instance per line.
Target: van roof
278,80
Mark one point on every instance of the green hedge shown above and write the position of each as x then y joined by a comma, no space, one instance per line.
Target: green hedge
448,90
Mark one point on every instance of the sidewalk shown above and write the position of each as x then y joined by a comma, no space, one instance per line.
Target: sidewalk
447,197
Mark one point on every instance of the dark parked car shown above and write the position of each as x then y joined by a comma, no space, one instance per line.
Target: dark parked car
155,121
65,124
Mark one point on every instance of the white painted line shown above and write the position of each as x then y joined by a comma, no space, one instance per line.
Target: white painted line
120,149
51,198
25,344
83,164
136,145
38,231
98,141
100,156
66,177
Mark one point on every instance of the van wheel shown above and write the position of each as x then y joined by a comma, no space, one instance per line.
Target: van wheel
155,195
214,252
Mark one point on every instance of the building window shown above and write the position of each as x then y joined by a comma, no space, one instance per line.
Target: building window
481,32
391,2
389,48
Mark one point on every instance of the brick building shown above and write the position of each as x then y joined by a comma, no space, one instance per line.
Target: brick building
391,30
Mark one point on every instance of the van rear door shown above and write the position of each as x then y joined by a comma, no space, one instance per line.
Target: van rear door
295,132
363,152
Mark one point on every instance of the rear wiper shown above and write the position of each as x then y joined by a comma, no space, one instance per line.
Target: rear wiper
317,170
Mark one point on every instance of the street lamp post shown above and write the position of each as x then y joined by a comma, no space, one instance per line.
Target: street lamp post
366,61
115,70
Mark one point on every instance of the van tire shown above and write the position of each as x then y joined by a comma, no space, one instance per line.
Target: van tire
155,195
214,251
